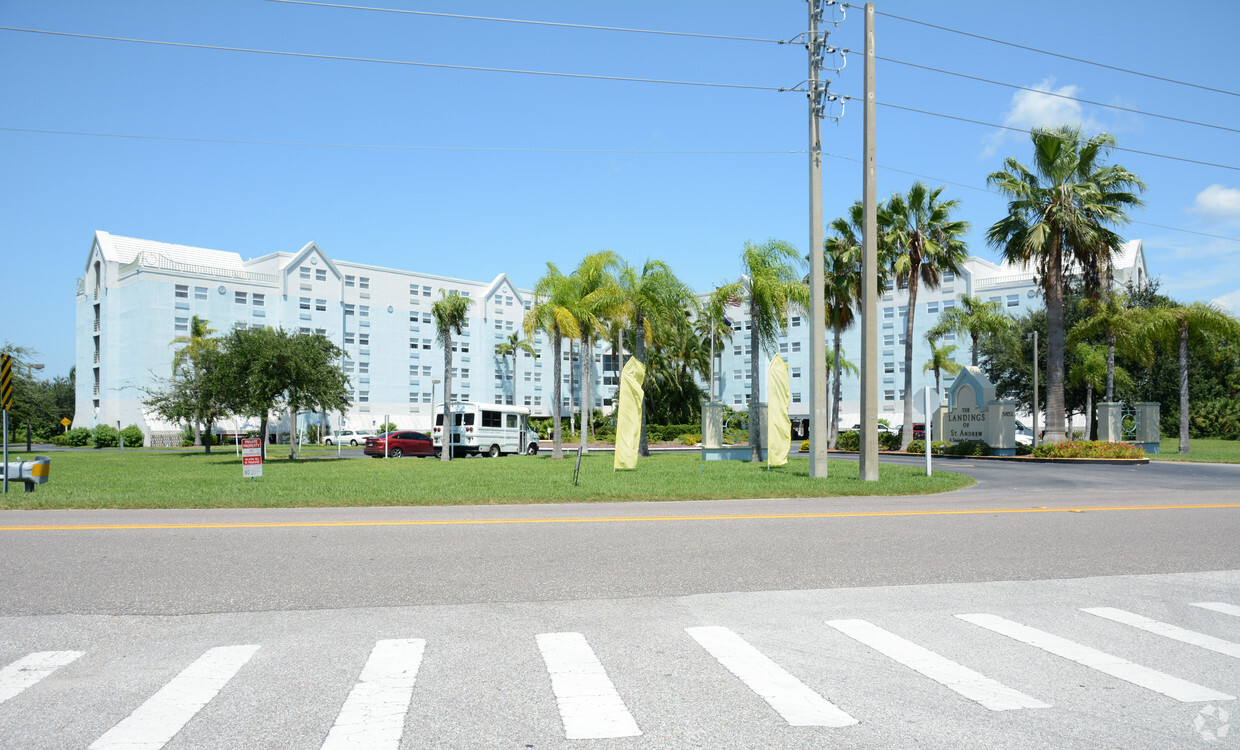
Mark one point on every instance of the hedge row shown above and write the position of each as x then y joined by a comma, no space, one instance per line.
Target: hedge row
1088,449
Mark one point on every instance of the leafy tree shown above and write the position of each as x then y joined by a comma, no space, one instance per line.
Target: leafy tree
194,394
192,353
940,361
1094,372
925,242
770,285
595,299
714,328
1180,324
973,317
1059,216
552,313
673,369
510,347
1115,321
450,312
41,404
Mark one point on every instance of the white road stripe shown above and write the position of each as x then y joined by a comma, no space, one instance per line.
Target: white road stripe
1159,682
1227,609
158,720
792,699
589,705
373,716
1167,630
29,669
972,685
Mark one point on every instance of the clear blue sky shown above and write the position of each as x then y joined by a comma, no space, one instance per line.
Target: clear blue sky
474,213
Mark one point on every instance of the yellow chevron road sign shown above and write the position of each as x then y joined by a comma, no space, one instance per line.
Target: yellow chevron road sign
6,381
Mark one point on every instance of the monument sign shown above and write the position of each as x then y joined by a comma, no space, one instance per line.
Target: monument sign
973,413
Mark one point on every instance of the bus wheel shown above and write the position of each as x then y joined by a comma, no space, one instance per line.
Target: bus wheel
494,452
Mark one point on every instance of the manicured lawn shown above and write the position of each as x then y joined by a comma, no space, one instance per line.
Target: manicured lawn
159,479
1208,450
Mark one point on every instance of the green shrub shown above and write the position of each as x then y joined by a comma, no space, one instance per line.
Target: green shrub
1023,450
969,448
805,446
133,436
849,440
888,441
690,438
1219,417
106,436
1088,449
77,437
59,439
937,447
917,446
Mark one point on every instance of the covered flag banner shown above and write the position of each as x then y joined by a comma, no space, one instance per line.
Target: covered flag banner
778,426
629,415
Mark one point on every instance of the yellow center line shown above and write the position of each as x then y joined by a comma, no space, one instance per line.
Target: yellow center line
602,519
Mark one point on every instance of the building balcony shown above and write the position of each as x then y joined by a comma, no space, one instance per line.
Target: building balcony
147,259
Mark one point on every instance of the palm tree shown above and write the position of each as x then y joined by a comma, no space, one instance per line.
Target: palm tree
552,313
840,365
451,312
770,284
924,243
1058,218
940,361
715,330
511,346
186,359
595,301
1094,371
1179,324
646,300
1121,326
973,317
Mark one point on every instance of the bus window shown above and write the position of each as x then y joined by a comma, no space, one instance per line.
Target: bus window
512,420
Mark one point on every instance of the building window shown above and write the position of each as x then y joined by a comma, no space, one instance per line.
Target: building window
889,312
889,395
181,291
304,303
363,339
889,339
181,324
736,375
426,291
200,293
949,304
889,368
427,318
903,311
240,297
363,282
948,278
796,346
783,347
320,305
426,343
348,338
257,299
363,397
796,321
796,397
363,311
932,307
949,336
349,309
349,281
320,274
796,372
1013,300
305,272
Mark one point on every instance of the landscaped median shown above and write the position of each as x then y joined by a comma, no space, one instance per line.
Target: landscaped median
156,479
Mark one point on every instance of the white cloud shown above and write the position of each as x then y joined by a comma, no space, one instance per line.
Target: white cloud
1038,109
1230,302
1217,203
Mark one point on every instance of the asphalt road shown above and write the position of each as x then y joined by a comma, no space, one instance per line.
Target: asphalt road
311,591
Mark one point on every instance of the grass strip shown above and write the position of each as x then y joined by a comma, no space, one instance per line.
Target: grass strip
151,479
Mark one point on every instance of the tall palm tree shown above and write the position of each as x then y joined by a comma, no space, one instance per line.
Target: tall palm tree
1094,372
925,242
973,317
595,301
770,285
1179,324
715,330
940,361
451,312
511,346
646,300
1121,327
197,345
840,366
552,313
1059,217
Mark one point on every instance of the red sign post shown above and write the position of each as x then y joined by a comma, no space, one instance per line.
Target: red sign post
251,457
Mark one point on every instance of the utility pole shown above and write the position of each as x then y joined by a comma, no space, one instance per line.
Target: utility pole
816,43
869,272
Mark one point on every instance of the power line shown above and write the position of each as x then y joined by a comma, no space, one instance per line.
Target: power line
380,146
392,62
1027,132
1049,93
534,23
526,149
1053,54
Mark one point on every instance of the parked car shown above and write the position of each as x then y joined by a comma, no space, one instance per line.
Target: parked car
348,437
399,443
919,431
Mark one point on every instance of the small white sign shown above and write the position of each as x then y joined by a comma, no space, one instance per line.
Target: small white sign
251,457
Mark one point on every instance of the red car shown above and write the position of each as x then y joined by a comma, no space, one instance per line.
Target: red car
400,443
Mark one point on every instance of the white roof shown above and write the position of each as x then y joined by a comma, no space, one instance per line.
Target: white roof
125,249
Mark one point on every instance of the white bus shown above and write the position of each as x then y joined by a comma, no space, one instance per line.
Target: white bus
486,429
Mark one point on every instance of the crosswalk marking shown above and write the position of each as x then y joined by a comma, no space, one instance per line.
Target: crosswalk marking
28,670
972,685
792,699
1167,630
373,716
1227,609
589,705
1159,682
158,720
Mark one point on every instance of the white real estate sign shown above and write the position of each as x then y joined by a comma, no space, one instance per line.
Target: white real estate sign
251,457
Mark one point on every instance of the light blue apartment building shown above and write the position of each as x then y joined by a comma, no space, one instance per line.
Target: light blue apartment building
137,295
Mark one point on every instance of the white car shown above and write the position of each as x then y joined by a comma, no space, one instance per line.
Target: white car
350,437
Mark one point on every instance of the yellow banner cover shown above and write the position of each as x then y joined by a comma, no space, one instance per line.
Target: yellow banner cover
629,414
778,427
